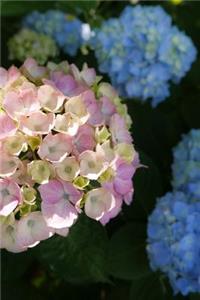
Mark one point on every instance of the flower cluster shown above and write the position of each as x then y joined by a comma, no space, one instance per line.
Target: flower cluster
173,241
173,227
142,52
27,43
66,30
65,149
186,166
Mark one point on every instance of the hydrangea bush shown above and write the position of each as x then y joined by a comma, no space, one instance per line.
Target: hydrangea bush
173,227
143,52
68,31
65,150
27,43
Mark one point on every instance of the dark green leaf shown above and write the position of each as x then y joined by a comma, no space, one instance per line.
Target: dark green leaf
127,253
195,297
20,262
18,289
78,7
150,288
21,7
80,257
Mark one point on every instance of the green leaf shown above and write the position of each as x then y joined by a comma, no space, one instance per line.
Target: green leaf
78,7
155,133
147,187
195,297
21,7
19,289
81,256
127,253
20,262
150,288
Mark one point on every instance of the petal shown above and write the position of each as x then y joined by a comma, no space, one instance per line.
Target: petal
51,192
68,169
50,98
55,147
10,196
76,107
9,238
7,126
37,123
8,164
59,215
123,187
32,229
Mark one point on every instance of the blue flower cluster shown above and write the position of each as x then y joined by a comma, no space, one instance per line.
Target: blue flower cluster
65,29
142,52
174,225
186,166
173,241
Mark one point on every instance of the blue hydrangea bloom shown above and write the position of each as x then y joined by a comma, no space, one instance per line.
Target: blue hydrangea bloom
65,29
186,166
142,52
173,241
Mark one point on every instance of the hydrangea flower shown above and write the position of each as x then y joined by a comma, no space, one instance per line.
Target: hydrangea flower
173,227
65,29
173,241
65,149
143,52
186,166
28,43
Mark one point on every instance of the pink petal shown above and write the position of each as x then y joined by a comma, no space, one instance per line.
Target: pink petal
113,212
123,187
59,215
21,102
10,196
37,123
50,98
55,147
84,139
32,229
8,164
120,133
51,192
7,126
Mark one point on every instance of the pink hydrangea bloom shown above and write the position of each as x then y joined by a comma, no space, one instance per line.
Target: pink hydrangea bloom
65,149
58,200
